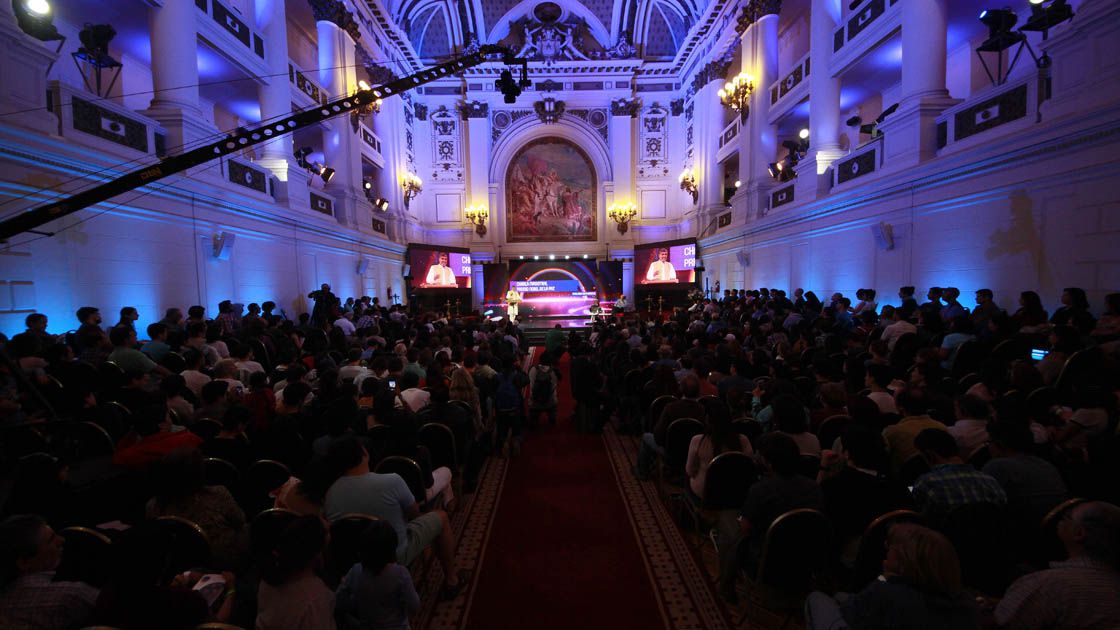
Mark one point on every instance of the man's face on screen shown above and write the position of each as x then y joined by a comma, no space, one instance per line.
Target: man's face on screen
443,260
663,255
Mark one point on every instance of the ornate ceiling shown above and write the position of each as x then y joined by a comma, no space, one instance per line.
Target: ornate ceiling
553,30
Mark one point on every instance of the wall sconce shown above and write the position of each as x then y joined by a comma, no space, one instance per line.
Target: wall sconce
477,215
412,186
736,94
688,183
622,214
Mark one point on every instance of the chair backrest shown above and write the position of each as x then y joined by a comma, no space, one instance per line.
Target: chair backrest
188,547
261,479
206,428
408,469
966,382
913,468
344,548
749,427
86,440
1052,547
220,472
677,437
796,547
88,557
260,354
905,349
979,532
174,362
831,428
872,549
440,442
809,466
979,457
729,477
266,527
970,356
111,376
1041,400
657,406
380,439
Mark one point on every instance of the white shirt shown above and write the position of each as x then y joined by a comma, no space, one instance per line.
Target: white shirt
661,271
969,434
894,331
355,372
346,325
416,398
884,400
195,380
513,296
440,275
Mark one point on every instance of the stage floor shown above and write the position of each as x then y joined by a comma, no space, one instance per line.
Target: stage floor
551,322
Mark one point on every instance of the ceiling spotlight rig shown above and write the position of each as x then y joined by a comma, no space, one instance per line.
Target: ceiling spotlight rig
1045,14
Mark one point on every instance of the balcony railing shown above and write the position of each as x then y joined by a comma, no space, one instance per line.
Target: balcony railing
229,21
861,162
863,29
305,90
249,175
371,145
102,124
1006,108
790,89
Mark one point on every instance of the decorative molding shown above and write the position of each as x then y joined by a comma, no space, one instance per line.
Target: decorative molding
548,85
474,109
247,176
378,225
712,71
377,73
230,22
322,204
857,166
335,12
421,111
109,125
625,107
596,118
549,110
653,142
782,196
754,10
621,49
1003,108
676,106
447,142
723,221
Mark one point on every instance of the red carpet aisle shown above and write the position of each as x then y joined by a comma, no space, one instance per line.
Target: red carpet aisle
563,550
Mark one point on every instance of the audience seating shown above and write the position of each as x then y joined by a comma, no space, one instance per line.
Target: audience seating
220,472
262,478
88,556
440,442
344,547
409,470
677,436
832,428
869,556
749,427
188,547
795,552
206,428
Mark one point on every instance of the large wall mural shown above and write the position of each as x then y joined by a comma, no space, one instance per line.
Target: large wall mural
550,193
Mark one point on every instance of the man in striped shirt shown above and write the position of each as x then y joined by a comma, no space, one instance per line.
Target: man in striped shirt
1081,592
950,483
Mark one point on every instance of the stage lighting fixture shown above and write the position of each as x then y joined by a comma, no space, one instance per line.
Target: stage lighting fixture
301,156
367,184
585,256
509,88
567,257
522,257
323,171
738,183
1000,23
535,257
803,134
871,129
887,112
36,18
775,169
793,145
381,203
552,256
854,121
1047,14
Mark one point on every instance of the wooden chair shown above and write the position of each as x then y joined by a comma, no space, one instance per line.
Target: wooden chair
749,427
262,478
409,470
869,557
1050,546
655,409
729,478
220,472
188,548
88,557
206,428
795,551
832,428
265,530
440,442
344,548
677,437
913,468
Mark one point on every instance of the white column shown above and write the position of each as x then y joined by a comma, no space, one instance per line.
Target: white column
23,76
910,134
924,28
760,138
478,170
174,48
824,89
707,126
275,95
340,150
622,157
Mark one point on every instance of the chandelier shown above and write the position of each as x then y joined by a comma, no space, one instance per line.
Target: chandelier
412,186
736,94
689,183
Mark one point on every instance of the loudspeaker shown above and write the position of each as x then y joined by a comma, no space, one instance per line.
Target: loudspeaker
407,271
744,258
363,265
884,235
223,245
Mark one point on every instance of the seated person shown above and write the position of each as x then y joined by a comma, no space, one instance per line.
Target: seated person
791,417
854,487
920,589
1080,592
151,438
388,498
231,444
156,348
1033,485
291,595
971,427
950,483
181,490
139,595
719,436
30,551
912,405
378,591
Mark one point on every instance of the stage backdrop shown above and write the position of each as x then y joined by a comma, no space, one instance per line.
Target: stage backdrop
550,193
554,287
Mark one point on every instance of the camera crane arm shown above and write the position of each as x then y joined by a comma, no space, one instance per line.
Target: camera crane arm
243,138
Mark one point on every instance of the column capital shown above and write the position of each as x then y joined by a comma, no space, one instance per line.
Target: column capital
335,12
754,10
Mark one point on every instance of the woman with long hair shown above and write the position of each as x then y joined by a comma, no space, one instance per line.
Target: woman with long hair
377,592
920,588
1031,314
719,436
1074,311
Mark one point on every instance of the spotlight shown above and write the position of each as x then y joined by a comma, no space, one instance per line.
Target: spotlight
367,184
887,112
585,256
552,256
301,156
567,257
522,257
738,183
95,44
381,203
535,257
792,145
871,129
1047,14
775,169
803,134
509,88
1000,36
362,85
35,18
854,121
327,173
